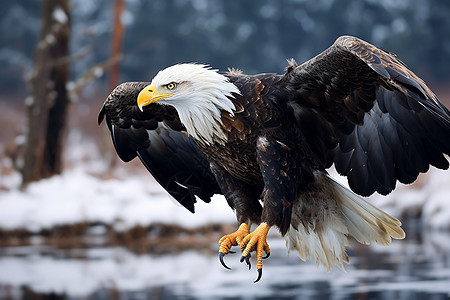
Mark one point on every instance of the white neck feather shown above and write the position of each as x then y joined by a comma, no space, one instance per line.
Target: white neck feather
199,98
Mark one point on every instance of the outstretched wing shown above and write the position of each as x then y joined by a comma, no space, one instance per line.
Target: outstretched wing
169,155
381,122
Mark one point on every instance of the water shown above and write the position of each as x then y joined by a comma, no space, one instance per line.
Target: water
415,268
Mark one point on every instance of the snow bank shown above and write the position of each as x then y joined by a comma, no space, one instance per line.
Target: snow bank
76,196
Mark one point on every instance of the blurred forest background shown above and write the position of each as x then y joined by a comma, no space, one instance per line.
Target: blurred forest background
108,42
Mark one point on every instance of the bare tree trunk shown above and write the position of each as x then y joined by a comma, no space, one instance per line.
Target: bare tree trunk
116,46
48,108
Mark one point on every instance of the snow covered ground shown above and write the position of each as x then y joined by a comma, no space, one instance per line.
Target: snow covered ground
75,196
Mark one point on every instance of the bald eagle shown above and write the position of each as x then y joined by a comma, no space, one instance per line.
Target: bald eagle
266,141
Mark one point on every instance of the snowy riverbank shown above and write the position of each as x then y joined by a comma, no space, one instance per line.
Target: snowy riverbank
75,196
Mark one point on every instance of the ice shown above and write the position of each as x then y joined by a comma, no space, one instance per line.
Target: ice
200,274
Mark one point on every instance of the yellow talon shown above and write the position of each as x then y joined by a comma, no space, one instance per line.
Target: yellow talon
230,240
257,240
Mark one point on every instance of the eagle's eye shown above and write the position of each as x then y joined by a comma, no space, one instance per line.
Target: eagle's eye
171,85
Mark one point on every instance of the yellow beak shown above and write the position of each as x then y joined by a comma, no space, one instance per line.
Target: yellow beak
150,95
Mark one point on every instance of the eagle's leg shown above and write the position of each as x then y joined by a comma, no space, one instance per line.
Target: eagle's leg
243,198
230,240
256,241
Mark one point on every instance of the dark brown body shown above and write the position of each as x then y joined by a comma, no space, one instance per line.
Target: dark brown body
260,143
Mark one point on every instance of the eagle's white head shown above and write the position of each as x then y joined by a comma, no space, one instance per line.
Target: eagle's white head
198,93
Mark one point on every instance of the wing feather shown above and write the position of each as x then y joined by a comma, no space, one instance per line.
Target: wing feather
395,127
173,158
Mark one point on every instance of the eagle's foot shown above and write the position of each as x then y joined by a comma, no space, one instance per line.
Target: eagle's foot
230,240
256,241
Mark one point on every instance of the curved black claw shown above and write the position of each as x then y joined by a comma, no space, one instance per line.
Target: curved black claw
221,256
247,260
267,256
259,275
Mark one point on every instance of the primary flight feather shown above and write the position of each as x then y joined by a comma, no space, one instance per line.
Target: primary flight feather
270,138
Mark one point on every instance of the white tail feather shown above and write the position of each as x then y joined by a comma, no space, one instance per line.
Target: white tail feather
323,218
369,222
